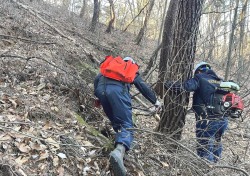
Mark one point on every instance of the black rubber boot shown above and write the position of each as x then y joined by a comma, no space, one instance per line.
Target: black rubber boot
116,160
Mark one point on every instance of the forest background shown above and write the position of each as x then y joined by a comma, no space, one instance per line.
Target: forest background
50,53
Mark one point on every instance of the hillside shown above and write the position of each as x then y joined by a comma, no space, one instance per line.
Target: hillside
48,122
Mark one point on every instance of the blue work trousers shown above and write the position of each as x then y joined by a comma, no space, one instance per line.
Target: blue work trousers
116,103
209,134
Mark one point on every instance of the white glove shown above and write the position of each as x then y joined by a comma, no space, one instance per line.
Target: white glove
158,106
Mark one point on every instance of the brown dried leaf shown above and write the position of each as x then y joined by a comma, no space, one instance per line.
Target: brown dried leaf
47,125
23,147
21,160
54,108
52,142
16,128
13,102
55,161
60,171
5,137
17,135
11,117
44,154
22,172
37,146
165,164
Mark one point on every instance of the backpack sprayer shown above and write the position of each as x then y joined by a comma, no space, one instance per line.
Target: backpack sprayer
228,104
233,105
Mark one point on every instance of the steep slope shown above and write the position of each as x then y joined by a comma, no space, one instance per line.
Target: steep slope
48,124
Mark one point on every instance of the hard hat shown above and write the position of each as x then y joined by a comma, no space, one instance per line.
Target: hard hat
129,58
199,65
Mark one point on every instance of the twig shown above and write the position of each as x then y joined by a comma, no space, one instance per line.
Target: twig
174,141
155,115
22,123
232,167
190,151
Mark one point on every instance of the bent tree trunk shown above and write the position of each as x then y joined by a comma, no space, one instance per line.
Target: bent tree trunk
143,29
180,64
112,16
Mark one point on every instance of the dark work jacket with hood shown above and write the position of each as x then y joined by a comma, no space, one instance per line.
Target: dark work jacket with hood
204,85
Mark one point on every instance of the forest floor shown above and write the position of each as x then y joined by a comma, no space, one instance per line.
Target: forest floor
48,122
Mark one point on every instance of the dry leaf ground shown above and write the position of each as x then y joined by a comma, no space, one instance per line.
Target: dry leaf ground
48,124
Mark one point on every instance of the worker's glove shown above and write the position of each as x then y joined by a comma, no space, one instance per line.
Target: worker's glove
97,103
158,106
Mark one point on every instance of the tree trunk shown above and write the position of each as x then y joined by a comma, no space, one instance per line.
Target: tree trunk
167,40
181,62
95,15
142,30
213,23
163,16
241,44
231,39
83,9
112,16
152,62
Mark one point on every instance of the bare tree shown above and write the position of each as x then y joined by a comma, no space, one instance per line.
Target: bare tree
112,16
181,60
95,15
242,32
231,39
83,9
142,30
162,23
152,61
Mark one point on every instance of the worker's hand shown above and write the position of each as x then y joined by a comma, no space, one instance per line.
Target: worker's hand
158,106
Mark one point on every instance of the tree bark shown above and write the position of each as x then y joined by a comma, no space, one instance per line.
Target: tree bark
95,17
162,24
181,61
83,9
241,44
152,61
112,16
142,30
167,40
231,39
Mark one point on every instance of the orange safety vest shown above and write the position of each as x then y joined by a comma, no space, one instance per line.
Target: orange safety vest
116,68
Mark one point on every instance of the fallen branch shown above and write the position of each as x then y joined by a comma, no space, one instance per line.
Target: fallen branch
27,40
22,123
43,20
155,115
232,167
35,57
